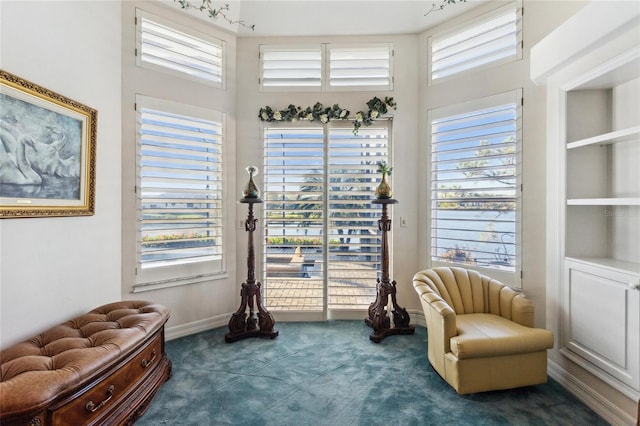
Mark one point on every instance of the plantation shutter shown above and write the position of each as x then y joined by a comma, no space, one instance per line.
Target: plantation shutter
361,67
493,38
475,183
342,67
321,230
293,216
291,68
162,46
180,173
354,238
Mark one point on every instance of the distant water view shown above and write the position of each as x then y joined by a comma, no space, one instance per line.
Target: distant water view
485,238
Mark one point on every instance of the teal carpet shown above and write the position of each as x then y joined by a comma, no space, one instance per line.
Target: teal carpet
329,373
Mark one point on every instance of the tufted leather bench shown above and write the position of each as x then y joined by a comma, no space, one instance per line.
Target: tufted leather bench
103,367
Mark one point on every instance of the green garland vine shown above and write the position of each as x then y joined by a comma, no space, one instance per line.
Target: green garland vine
376,108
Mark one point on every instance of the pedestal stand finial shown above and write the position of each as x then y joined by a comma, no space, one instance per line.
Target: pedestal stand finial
378,318
239,325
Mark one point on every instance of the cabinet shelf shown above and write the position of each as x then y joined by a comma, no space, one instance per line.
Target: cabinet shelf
611,264
603,201
617,136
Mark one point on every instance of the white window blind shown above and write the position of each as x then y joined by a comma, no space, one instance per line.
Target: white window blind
493,38
327,67
293,186
165,46
354,238
294,217
475,193
291,67
179,190
361,66
321,228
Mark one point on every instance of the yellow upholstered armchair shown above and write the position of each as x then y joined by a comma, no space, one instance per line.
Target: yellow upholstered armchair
480,332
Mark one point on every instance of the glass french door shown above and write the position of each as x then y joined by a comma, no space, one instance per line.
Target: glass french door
321,250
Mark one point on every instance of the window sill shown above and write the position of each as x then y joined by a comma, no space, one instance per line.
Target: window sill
162,284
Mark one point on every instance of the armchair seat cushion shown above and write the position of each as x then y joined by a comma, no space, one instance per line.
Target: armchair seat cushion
488,335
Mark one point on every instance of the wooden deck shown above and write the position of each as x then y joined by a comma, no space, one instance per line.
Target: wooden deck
351,286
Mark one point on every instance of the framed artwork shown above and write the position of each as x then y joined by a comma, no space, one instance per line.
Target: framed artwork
47,152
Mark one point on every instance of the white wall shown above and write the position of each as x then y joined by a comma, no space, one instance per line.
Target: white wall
54,268
198,306
540,17
414,99
405,137
79,260
580,52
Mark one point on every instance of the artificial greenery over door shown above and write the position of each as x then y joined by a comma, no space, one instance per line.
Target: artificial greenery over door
376,108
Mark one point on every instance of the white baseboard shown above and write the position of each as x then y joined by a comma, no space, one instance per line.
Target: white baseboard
175,332
417,317
182,330
589,396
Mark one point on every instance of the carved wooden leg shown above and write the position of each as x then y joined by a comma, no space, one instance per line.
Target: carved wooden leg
373,308
401,317
379,319
237,322
265,318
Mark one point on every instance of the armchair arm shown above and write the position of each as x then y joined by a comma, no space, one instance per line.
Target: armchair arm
522,310
515,307
441,324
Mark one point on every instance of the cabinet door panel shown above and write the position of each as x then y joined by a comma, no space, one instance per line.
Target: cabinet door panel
601,320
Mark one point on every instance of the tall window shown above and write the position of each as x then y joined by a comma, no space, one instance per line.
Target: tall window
164,46
179,189
321,229
491,39
475,185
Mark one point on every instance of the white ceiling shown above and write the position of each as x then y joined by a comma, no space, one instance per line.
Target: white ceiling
334,17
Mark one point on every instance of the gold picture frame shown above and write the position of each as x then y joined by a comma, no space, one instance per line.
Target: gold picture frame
47,152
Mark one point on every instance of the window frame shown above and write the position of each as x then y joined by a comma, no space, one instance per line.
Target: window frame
328,62
325,223
325,67
190,271
511,278
290,48
515,5
141,14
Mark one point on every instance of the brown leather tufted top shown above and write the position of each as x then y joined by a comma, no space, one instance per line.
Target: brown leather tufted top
36,371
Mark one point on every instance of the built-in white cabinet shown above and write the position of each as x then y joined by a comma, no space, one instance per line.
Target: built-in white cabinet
601,325
600,283
591,66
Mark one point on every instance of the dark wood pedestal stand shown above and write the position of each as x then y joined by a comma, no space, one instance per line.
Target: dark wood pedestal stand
378,318
241,327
